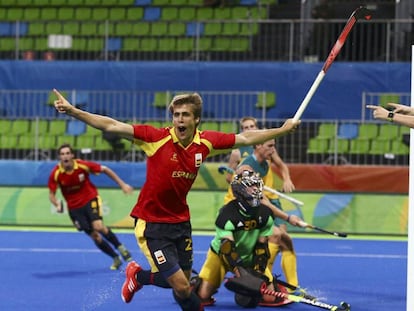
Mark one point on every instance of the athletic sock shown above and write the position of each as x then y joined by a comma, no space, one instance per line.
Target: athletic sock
273,250
106,248
146,277
111,237
288,263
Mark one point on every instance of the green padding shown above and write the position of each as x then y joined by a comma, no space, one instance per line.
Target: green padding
365,214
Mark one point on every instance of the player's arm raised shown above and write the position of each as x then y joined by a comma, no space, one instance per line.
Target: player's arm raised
255,137
97,121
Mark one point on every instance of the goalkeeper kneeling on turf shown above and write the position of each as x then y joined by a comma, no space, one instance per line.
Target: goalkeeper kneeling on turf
240,246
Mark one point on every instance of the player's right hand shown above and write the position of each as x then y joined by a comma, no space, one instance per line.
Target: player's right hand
60,207
61,104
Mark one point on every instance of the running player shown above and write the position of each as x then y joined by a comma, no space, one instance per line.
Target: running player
84,204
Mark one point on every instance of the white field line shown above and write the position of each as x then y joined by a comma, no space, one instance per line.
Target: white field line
82,250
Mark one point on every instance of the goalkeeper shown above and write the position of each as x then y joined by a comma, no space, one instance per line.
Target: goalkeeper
242,229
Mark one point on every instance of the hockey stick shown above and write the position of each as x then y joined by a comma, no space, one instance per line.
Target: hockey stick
338,234
344,306
225,169
360,13
293,287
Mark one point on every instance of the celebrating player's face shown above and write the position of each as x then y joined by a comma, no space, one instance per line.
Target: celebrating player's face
184,123
65,156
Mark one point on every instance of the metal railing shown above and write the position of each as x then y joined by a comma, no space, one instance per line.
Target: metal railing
339,143
306,40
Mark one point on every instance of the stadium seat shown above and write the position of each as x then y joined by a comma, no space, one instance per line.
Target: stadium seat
186,14
176,29
85,141
141,29
249,29
148,45
169,14
83,14
266,100
348,130
398,147
123,29
5,126
8,141
35,29
100,14
386,98
31,14
65,139
39,127
166,44
134,14
117,14
194,29
359,146
71,28
317,146
75,127
159,29
162,99
57,127
338,146
19,127
66,13
223,13
239,12
367,131
26,142
47,142
380,147
152,14
205,14
212,29
326,130
184,44
210,125
228,127
230,29
388,131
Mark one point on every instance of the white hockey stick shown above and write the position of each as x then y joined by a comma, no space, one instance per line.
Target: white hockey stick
359,13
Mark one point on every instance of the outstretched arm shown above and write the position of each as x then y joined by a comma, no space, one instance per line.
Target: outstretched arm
127,189
381,113
255,137
97,121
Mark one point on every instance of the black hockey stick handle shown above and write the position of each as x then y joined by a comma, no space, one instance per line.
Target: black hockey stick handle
338,234
344,306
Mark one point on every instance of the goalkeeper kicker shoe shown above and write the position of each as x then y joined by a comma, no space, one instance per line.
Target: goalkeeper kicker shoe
126,255
131,285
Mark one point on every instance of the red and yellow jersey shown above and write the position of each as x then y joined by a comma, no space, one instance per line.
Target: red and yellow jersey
172,170
76,187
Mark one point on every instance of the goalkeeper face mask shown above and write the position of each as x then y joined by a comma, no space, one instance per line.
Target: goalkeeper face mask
247,187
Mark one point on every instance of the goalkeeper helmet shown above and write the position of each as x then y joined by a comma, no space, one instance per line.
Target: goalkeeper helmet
247,187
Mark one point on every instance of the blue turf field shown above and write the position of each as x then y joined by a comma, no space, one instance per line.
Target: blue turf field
64,271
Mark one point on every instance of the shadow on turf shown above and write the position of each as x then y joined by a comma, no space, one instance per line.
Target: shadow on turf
69,274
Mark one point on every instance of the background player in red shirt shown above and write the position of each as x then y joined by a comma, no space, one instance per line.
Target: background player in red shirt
174,156
84,204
